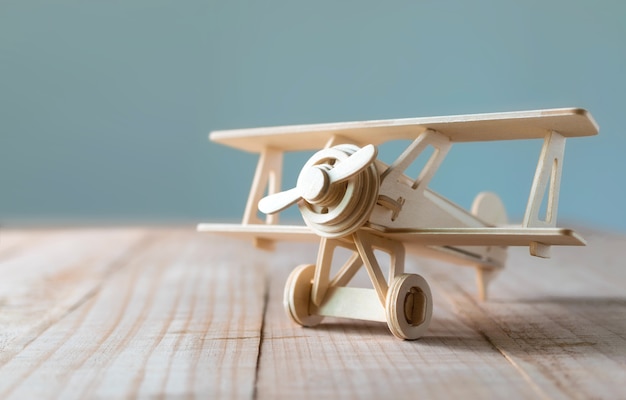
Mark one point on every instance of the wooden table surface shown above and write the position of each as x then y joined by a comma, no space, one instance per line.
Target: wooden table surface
171,313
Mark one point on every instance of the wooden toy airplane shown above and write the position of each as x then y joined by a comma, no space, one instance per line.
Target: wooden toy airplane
349,199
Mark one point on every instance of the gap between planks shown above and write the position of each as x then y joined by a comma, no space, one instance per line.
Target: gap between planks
266,299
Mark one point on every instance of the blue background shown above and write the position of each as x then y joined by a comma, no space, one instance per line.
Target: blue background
105,106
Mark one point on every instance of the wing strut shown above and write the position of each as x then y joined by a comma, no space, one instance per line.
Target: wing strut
267,176
547,177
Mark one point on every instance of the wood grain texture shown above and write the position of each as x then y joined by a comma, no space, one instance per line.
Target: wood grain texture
347,358
176,318
570,122
172,313
45,275
559,322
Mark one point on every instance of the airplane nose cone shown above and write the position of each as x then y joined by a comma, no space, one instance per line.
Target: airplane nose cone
313,184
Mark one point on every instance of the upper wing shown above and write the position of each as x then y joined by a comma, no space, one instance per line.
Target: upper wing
569,122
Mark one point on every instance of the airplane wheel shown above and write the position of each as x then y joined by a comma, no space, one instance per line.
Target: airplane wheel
297,297
409,306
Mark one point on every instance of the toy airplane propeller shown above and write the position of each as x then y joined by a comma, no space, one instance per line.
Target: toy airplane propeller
315,182
349,199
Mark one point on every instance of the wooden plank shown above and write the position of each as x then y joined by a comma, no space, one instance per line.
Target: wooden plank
45,274
569,122
173,313
14,241
552,329
357,359
180,318
559,322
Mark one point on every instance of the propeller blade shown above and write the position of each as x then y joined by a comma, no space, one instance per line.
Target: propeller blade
354,164
279,201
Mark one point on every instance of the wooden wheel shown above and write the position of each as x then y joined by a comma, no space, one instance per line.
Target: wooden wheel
409,306
297,298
